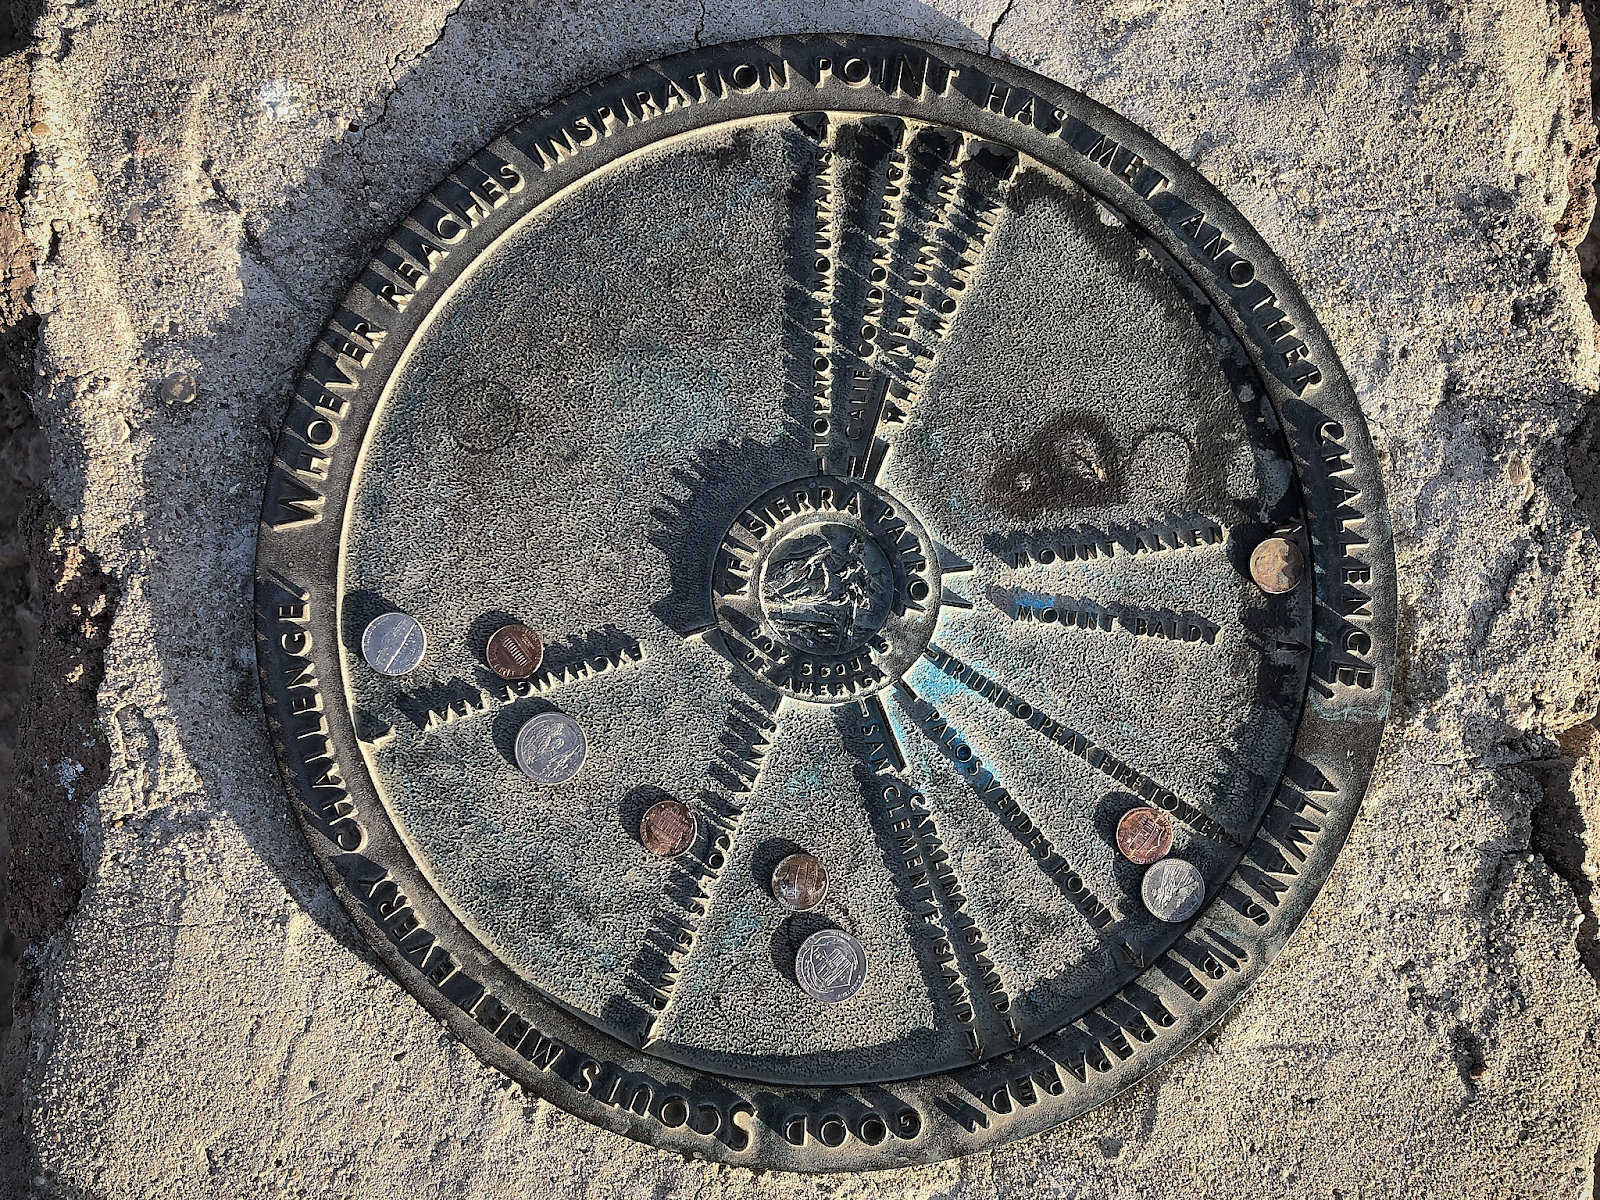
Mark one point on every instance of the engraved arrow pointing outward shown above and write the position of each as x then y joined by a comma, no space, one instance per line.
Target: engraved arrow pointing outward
1097,758
887,285
968,982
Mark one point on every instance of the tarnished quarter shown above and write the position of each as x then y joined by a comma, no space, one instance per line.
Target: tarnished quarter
551,748
890,448
1173,890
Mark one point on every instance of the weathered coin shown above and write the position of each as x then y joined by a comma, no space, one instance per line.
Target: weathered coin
393,644
800,882
831,966
1144,835
1277,565
550,748
179,388
668,828
514,652
1173,890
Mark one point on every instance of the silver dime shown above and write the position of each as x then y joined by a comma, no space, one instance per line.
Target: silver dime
1173,890
393,644
551,748
831,966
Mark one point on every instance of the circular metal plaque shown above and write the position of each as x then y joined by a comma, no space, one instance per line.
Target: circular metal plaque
880,438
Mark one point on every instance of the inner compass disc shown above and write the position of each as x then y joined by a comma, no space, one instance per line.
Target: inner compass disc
913,475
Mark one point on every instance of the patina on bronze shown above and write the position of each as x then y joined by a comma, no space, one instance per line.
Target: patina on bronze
887,432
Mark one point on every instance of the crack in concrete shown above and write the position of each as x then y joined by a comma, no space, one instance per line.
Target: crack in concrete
396,81
700,29
995,28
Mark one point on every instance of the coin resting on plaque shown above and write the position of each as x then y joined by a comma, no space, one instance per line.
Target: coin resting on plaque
668,828
830,966
799,882
1277,565
514,652
1173,890
393,644
1144,835
551,748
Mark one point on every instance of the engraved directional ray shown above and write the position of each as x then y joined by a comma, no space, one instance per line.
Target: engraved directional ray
901,213
1089,543
930,891
824,275
548,679
933,725
695,890
1078,612
976,993
1097,758
873,205
953,242
883,744
743,747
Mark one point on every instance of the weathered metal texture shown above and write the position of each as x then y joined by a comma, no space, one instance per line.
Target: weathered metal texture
878,436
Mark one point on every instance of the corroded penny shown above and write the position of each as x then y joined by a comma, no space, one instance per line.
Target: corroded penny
179,388
393,644
514,652
1277,565
551,748
668,828
800,882
831,966
1144,835
1173,890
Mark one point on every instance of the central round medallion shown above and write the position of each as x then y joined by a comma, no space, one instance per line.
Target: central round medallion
826,589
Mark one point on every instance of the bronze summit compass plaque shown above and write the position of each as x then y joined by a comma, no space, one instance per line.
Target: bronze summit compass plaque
876,441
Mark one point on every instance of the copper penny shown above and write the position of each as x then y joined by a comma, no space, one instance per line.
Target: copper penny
668,828
799,883
1144,835
514,652
1277,565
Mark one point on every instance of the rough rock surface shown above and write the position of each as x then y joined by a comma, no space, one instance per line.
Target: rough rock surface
204,1023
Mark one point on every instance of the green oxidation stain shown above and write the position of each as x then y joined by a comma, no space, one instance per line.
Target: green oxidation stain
742,925
807,780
